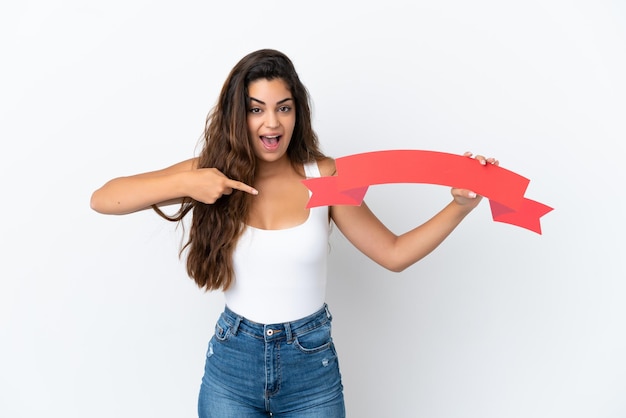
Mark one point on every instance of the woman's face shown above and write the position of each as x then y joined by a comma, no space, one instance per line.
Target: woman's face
271,118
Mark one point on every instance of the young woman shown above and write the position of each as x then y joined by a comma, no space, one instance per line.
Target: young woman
252,237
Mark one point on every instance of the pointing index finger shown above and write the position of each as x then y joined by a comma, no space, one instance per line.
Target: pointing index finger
241,186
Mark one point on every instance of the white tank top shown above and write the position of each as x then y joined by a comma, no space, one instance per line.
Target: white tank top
280,275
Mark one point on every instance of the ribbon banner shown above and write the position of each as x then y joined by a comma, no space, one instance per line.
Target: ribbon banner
355,173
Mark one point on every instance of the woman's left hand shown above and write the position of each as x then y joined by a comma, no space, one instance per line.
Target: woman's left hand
468,198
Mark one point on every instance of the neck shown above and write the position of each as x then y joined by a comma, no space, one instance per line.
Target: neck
272,168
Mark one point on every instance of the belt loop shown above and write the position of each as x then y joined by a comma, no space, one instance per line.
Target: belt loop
236,325
288,333
328,315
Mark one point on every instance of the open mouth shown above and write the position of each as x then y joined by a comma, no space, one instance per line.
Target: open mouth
270,142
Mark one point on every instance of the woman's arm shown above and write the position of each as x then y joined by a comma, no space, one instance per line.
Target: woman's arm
397,252
129,194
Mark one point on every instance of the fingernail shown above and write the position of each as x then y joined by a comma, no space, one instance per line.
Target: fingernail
472,194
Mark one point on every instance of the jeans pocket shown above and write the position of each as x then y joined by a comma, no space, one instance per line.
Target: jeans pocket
315,340
222,330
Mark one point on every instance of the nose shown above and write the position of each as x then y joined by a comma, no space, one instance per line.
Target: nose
272,120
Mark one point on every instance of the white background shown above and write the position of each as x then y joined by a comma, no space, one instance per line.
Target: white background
97,315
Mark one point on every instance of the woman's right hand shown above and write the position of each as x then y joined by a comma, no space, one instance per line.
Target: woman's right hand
170,185
209,184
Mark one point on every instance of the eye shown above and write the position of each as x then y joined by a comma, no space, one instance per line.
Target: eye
254,110
284,108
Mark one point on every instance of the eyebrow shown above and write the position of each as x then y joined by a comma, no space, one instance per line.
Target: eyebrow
278,103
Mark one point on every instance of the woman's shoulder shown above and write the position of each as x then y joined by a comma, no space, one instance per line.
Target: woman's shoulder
327,166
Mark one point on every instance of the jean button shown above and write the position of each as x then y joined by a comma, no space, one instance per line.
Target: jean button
270,332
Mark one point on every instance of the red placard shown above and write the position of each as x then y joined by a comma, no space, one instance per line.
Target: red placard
355,173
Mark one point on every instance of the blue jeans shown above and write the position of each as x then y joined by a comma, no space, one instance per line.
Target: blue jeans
278,370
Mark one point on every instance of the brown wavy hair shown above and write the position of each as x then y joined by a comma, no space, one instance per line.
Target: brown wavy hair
216,227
